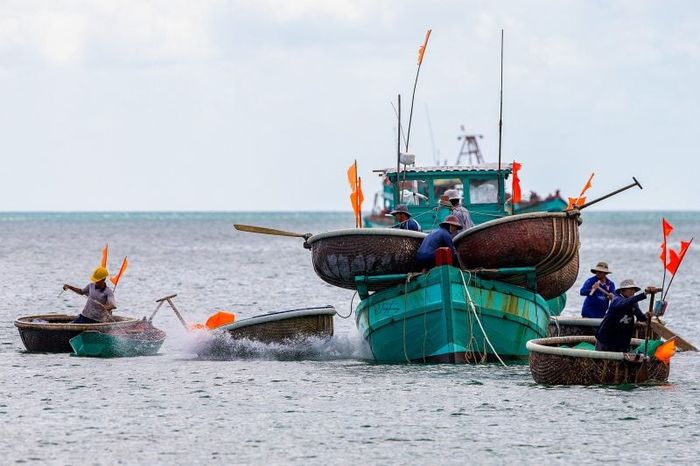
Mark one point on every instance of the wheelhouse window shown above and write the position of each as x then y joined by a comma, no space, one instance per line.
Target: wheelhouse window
440,186
415,192
483,191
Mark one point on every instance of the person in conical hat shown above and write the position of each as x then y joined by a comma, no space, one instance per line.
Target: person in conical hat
439,238
404,219
598,291
100,298
616,329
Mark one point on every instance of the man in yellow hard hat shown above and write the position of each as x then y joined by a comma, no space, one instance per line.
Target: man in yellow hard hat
100,298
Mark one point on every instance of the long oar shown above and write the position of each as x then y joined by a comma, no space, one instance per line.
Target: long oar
665,332
270,231
617,191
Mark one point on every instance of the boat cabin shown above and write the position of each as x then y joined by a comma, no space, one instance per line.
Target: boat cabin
482,188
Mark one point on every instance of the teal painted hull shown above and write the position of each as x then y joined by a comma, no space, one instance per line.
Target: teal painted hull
101,345
551,205
430,319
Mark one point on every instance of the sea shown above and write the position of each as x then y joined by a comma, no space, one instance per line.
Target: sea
324,403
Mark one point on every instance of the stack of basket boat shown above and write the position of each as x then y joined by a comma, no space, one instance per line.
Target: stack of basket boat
547,241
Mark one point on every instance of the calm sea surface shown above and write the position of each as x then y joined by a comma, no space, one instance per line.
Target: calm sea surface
328,404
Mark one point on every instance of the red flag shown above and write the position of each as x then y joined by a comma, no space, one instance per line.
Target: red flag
421,49
115,279
675,258
103,262
667,227
517,194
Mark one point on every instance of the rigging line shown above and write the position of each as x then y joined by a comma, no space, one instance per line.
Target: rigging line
351,302
473,308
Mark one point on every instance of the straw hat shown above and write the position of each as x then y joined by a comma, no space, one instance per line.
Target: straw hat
601,267
451,220
626,284
100,273
400,209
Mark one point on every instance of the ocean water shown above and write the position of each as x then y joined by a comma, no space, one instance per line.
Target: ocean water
324,404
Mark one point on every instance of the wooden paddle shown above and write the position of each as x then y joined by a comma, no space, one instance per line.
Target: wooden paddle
270,231
666,333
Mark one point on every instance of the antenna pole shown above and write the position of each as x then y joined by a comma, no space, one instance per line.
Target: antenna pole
421,52
500,124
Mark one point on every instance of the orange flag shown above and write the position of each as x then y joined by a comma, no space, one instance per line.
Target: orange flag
356,199
666,351
115,279
517,194
581,199
352,176
421,49
219,319
103,262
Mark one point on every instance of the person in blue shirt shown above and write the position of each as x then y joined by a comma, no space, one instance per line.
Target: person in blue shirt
598,291
439,238
617,328
404,219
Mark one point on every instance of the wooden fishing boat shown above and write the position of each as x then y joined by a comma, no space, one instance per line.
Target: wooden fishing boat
447,315
552,203
51,333
138,339
285,326
553,361
340,256
547,241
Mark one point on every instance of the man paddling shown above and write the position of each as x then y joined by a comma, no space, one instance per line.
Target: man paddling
439,238
100,298
404,219
598,291
617,328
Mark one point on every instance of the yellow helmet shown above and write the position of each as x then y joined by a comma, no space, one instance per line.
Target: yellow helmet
100,273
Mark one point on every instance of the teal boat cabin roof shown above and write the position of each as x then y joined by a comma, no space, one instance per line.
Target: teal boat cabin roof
448,170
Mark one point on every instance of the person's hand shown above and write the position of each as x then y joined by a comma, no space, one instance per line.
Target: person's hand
652,289
65,287
595,286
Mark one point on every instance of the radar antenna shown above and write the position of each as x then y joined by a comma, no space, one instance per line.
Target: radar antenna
470,148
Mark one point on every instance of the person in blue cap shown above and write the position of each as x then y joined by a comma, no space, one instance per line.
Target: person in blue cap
404,219
598,291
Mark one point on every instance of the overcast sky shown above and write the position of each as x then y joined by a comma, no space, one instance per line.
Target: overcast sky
262,105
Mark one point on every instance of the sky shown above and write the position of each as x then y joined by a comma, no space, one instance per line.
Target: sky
263,105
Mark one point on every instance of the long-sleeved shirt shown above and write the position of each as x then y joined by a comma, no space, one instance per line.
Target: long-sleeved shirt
409,224
615,332
438,238
463,216
597,303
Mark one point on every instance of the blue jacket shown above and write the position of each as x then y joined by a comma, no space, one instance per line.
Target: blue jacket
409,224
615,332
596,304
438,238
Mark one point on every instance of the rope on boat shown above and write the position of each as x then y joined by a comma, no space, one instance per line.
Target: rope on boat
473,309
351,302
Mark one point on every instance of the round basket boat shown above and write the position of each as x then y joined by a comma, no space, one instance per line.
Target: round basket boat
548,241
548,286
293,325
553,363
51,333
339,256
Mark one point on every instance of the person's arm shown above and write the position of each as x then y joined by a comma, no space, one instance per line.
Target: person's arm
587,286
620,303
74,289
641,317
111,303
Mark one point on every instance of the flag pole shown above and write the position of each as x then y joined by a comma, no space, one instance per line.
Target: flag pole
674,274
500,126
359,202
663,232
415,84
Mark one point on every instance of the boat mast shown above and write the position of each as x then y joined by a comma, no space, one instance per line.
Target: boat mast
500,126
398,155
